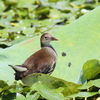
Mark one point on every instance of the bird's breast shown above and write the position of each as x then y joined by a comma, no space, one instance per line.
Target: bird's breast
50,52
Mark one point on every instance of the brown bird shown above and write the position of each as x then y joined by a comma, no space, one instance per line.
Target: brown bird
42,61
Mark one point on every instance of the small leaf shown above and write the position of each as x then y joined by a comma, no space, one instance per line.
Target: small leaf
91,69
3,84
2,7
10,96
20,97
44,91
29,31
90,84
54,14
34,96
96,82
86,86
83,94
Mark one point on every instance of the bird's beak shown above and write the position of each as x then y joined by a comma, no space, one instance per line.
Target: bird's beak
54,39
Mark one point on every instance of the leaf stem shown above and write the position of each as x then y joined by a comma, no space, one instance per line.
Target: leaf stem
85,98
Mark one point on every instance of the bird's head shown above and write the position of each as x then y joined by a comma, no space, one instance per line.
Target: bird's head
46,38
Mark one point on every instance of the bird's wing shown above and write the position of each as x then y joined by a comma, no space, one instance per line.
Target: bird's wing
43,57
45,66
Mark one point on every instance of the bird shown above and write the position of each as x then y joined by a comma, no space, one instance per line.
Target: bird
42,61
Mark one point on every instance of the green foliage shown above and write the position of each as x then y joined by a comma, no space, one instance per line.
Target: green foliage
52,89
20,19
52,82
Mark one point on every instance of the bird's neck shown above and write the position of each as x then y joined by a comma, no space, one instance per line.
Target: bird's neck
47,45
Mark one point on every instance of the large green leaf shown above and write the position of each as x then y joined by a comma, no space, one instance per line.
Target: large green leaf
80,40
15,55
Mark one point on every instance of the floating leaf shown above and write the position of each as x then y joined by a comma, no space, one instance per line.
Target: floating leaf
54,14
2,6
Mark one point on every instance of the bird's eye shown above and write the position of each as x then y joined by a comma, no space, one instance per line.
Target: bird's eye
46,38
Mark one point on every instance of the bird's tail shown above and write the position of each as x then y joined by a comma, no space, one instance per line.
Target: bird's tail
19,71
18,75
18,68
